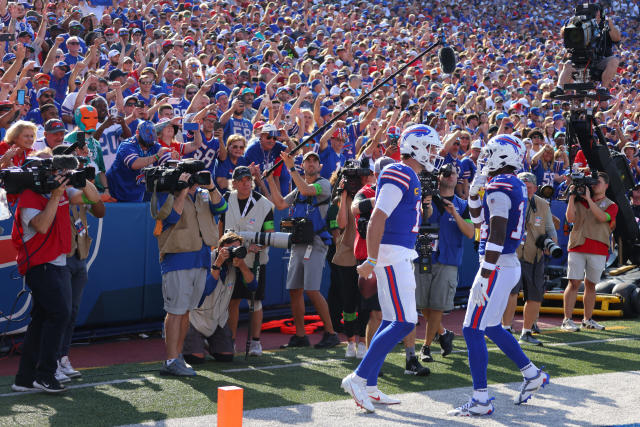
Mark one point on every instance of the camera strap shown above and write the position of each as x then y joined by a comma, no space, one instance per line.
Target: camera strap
166,208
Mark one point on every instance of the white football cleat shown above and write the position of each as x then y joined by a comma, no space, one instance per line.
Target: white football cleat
530,386
356,387
351,349
473,408
379,397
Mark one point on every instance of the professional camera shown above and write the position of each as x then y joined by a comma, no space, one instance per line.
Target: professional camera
166,177
580,182
275,239
582,34
427,235
352,171
239,252
545,191
544,242
429,183
301,229
39,175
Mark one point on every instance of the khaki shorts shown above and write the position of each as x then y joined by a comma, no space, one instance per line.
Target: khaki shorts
307,274
182,289
583,265
436,290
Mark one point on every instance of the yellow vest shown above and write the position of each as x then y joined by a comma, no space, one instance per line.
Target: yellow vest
196,225
586,226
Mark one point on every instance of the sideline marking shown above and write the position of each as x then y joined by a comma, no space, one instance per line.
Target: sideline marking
290,365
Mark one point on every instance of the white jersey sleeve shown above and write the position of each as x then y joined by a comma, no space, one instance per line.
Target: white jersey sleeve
499,204
388,198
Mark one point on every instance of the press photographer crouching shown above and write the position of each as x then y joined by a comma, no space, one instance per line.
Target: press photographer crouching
186,212
593,216
208,324
42,237
308,205
540,239
436,270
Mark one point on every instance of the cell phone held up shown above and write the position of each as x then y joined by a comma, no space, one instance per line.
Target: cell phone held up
191,127
7,37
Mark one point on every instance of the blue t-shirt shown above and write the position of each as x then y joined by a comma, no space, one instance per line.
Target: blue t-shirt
330,161
61,86
125,184
71,60
467,169
266,159
402,226
225,169
238,127
206,154
180,109
449,248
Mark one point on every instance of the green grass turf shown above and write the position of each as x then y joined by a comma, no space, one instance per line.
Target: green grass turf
155,397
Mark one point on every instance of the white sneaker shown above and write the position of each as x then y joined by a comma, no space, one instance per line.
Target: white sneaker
60,376
351,349
255,348
67,369
592,324
569,325
530,386
362,350
355,386
379,397
473,408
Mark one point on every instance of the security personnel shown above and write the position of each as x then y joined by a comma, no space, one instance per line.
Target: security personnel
538,222
436,289
309,200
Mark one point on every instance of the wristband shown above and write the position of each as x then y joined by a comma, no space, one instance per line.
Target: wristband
215,267
487,266
156,157
476,219
372,261
475,204
292,169
608,217
373,264
493,247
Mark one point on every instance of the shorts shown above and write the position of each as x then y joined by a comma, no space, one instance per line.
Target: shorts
436,289
219,342
583,265
602,64
397,291
531,281
241,292
306,274
182,289
501,281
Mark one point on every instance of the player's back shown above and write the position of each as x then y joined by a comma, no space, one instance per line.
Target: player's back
402,225
516,191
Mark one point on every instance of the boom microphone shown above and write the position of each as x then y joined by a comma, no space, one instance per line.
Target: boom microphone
446,56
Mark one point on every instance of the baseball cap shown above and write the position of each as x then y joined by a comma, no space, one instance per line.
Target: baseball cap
114,74
8,57
43,90
381,163
477,144
54,125
309,154
62,64
559,134
41,76
147,132
240,172
527,177
268,128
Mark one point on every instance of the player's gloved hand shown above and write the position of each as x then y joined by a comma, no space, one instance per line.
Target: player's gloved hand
478,182
478,295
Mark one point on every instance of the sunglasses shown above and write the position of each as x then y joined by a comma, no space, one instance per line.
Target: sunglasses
145,83
130,104
179,86
270,137
73,43
191,92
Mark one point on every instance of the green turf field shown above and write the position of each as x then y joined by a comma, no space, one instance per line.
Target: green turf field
138,393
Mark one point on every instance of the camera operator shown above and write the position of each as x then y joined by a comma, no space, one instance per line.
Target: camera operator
42,237
209,322
607,62
538,222
189,231
248,210
436,288
309,200
344,259
593,217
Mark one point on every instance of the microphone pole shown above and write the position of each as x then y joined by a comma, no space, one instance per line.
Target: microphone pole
357,102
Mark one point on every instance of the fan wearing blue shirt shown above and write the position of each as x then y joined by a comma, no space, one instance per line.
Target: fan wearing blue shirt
265,152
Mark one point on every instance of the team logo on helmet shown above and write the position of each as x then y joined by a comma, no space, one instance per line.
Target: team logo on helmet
422,143
501,151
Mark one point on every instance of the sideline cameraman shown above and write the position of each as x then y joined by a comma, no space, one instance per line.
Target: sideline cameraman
436,289
248,210
188,233
42,237
593,216
309,200
538,222
209,322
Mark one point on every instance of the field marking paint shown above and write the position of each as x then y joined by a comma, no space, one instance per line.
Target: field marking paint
310,362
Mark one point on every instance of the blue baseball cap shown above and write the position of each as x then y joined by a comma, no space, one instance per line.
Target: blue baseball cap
557,117
8,57
147,132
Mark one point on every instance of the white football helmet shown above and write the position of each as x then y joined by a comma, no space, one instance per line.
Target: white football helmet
502,150
422,143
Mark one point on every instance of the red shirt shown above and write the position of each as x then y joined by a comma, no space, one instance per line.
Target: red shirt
591,246
360,246
176,146
19,159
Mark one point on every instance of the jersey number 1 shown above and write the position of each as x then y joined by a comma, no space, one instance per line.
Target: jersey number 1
416,228
517,234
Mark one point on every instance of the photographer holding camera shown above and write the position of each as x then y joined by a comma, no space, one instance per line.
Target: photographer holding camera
208,323
436,288
42,237
539,226
308,205
248,210
593,216
189,231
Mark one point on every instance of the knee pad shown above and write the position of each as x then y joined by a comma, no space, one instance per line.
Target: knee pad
223,357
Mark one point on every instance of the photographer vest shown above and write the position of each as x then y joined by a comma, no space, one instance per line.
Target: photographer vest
586,226
80,239
534,227
196,225
251,220
214,310
309,208
344,255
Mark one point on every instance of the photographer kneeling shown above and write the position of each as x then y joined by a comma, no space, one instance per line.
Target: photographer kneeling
189,230
539,227
209,322
42,237
593,216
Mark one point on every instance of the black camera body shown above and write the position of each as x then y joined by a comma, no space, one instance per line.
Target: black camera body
580,182
545,242
582,35
352,171
239,252
424,245
429,183
39,175
166,177
301,229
